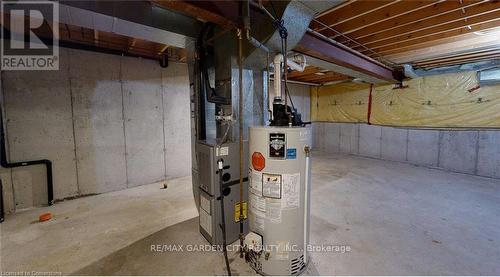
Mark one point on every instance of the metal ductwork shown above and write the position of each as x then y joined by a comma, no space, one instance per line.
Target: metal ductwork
137,19
410,72
296,17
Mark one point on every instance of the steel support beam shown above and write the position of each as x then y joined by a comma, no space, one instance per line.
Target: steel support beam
225,13
320,48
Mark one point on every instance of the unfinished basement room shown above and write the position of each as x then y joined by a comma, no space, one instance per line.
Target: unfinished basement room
247,138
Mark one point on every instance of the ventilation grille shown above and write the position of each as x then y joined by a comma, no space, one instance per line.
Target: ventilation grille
297,265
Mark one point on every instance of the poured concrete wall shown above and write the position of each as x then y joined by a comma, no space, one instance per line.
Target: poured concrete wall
6,173
301,99
106,122
98,122
143,121
470,152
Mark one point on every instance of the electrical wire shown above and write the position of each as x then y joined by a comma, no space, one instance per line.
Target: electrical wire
223,139
223,223
289,96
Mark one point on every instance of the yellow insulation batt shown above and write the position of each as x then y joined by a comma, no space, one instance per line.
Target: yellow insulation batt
346,102
441,101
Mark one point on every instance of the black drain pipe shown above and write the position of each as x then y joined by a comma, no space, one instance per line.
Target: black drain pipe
220,170
5,164
2,212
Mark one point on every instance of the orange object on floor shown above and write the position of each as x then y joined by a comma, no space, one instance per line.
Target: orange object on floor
45,217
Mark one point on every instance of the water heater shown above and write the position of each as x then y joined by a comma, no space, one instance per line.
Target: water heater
279,207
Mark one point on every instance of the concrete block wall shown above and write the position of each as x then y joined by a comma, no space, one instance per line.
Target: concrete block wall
470,152
106,122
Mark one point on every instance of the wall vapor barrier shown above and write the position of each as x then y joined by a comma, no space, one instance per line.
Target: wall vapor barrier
453,101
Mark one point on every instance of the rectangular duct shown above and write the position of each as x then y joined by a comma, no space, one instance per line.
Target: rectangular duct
113,24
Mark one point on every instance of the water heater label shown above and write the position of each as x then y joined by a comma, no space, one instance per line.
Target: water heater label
291,191
255,182
277,145
273,210
257,221
304,135
257,203
291,153
271,185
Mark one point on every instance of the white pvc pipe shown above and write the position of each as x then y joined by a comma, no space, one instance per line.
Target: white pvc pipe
292,63
297,63
276,82
278,59
306,207
295,66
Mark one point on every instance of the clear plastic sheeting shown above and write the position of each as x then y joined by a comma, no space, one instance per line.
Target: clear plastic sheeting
345,102
440,101
450,100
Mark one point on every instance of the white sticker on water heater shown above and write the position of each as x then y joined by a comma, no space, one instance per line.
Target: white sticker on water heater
257,221
304,135
257,202
255,182
271,185
273,210
290,198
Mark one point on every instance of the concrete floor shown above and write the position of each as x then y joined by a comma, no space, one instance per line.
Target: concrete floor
85,230
398,219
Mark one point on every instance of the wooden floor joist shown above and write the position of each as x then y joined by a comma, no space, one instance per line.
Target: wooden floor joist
413,17
388,28
427,29
381,15
494,23
354,10
478,54
450,63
